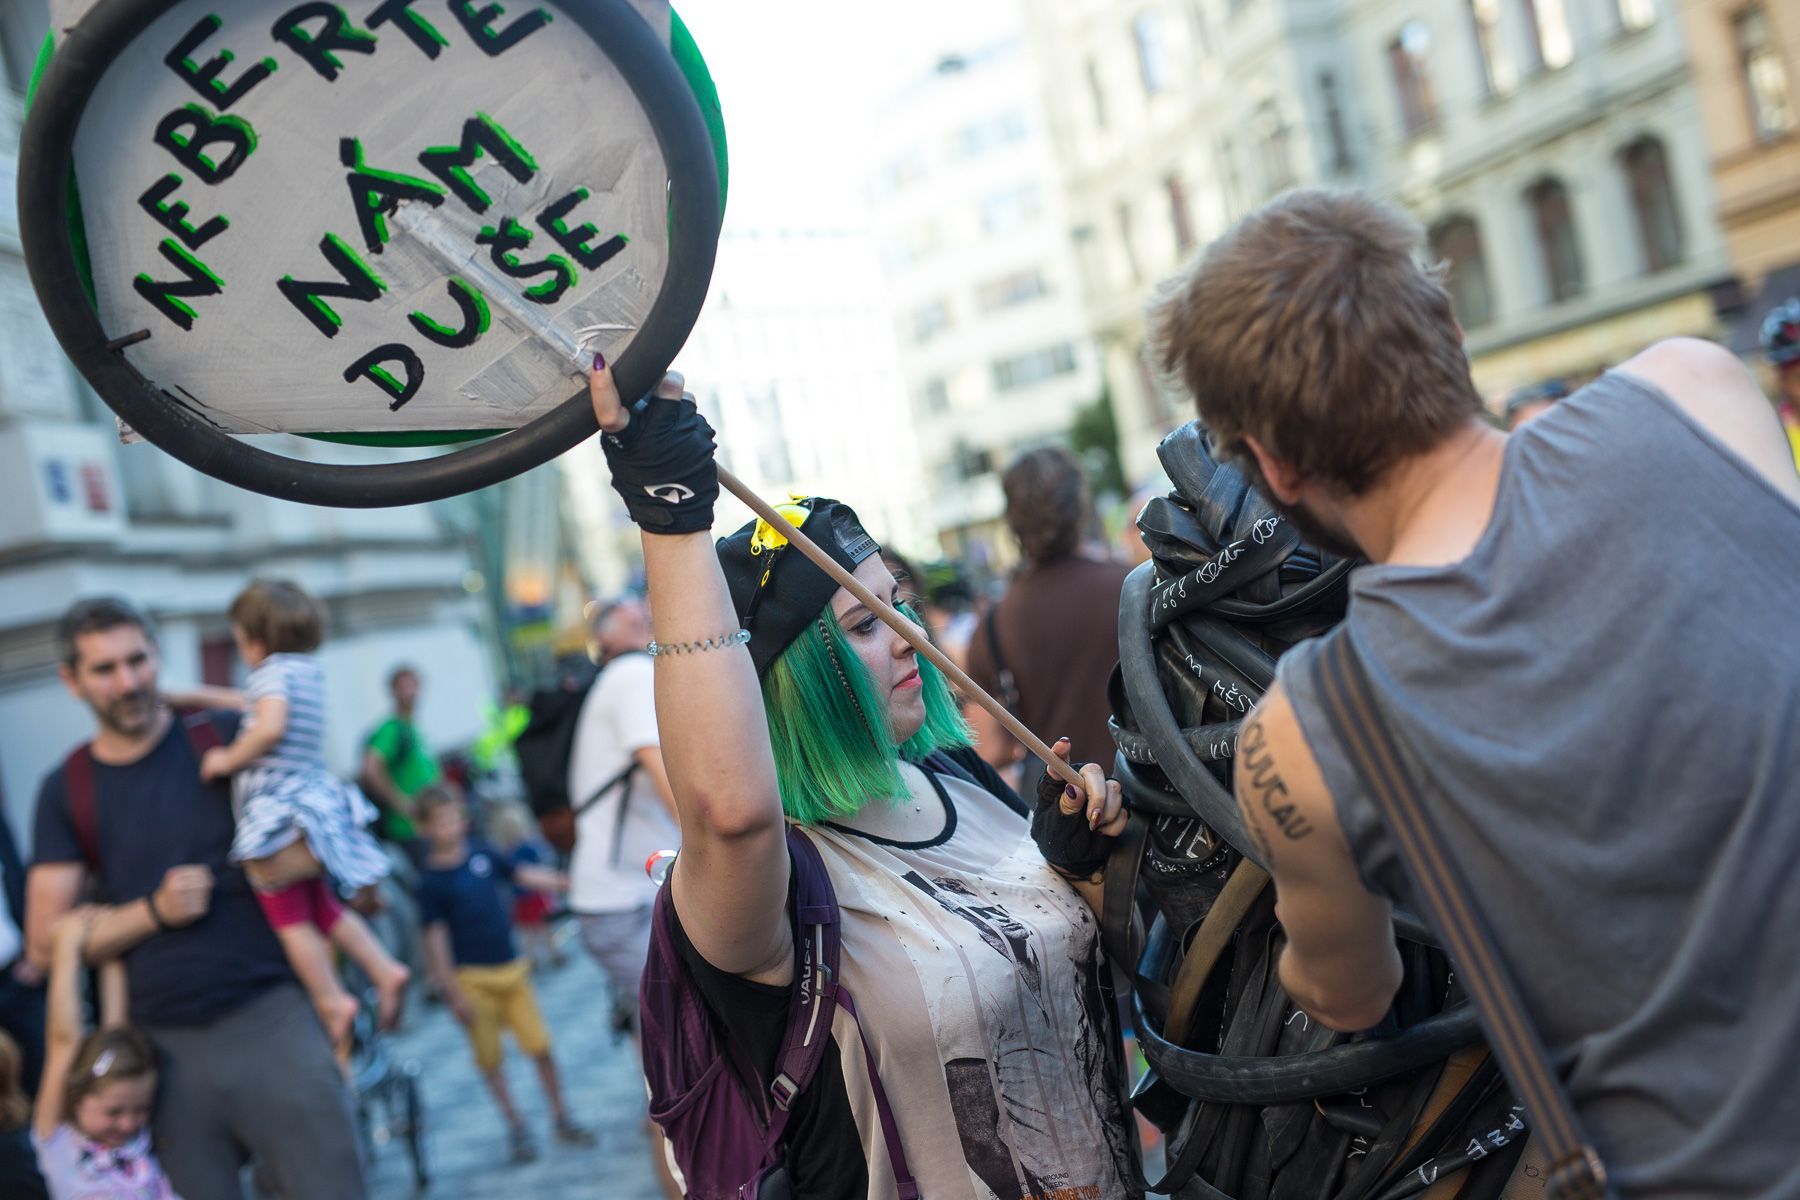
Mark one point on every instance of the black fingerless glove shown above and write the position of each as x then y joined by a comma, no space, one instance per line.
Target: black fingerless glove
662,466
1064,839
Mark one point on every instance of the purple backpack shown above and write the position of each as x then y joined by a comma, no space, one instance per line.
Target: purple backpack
723,1122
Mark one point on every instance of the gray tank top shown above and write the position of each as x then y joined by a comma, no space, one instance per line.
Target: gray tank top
1607,691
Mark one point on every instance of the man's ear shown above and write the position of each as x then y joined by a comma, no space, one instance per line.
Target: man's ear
1281,476
67,675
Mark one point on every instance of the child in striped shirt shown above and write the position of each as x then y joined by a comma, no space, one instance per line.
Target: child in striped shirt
296,820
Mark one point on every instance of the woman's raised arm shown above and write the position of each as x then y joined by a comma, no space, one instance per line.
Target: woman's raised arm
731,880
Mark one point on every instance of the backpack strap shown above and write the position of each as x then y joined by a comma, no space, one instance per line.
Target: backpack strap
82,805
82,798
1389,773
623,781
202,733
816,997
817,942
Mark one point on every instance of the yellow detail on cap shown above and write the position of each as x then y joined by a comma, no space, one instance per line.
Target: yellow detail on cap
767,537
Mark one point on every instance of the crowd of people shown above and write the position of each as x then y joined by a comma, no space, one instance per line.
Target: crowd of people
876,966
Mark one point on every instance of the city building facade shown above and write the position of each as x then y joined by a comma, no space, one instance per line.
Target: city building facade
1553,149
1556,154
1747,73
793,362
88,516
968,214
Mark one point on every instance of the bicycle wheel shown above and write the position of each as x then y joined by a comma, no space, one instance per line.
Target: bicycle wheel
386,208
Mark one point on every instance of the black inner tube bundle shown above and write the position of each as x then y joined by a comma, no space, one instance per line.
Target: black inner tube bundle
1261,1103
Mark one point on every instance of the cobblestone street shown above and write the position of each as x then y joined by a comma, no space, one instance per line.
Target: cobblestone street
466,1140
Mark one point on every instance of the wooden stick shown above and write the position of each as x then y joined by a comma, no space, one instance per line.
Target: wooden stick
915,637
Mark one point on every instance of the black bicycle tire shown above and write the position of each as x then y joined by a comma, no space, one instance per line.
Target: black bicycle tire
1208,798
1297,1078
46,168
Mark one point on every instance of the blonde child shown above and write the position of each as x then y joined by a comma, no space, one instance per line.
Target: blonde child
513,832
91,1122
296,820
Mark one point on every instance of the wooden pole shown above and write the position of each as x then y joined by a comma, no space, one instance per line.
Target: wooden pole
915,637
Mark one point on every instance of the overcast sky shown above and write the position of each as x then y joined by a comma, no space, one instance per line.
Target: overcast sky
798,80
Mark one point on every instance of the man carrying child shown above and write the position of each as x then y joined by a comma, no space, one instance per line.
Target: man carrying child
246,1067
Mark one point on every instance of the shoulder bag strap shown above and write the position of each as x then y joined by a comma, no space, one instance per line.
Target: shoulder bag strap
1381,764
1009,687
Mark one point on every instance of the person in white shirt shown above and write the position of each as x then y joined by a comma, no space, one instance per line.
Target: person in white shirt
624,809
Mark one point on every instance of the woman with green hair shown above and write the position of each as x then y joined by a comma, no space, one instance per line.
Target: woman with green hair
975,965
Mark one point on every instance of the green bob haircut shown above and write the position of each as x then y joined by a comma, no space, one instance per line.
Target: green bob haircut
834,752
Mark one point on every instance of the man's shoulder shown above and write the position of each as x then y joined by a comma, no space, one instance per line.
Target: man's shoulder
225,720
53,787
627,679
634,669
387,730
1078,578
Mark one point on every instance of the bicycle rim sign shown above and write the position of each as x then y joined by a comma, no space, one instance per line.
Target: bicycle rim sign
381,217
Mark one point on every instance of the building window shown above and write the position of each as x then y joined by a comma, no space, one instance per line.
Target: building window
971,463
935,396
915,245
1456,243
1554,220
1272,148
1634,14
1230,185
1152,54
1004,211
218,660
1409,61
1020,287
1096,93
1181,219
1011,374
1646,166
929,320
1551,42
1339,137
1765,76
1128,240
983,137
1497,71
1197,22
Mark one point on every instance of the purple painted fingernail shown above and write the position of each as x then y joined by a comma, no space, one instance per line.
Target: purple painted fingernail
599,362
1071,793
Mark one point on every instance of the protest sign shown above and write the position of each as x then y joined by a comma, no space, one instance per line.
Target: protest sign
411,215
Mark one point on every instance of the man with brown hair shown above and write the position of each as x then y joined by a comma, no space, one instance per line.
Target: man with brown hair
1613,782
247,1070
1048,646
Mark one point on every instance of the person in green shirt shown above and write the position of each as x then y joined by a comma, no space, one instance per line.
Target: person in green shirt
396,763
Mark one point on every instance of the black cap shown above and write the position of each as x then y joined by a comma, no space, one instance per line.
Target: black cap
776,589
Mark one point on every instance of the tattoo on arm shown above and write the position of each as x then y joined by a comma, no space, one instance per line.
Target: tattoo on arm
1262,796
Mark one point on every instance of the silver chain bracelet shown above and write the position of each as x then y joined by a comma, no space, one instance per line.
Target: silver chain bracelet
741,637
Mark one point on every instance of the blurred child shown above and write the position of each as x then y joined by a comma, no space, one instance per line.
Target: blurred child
472,956
513,832
91,1123
296,819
